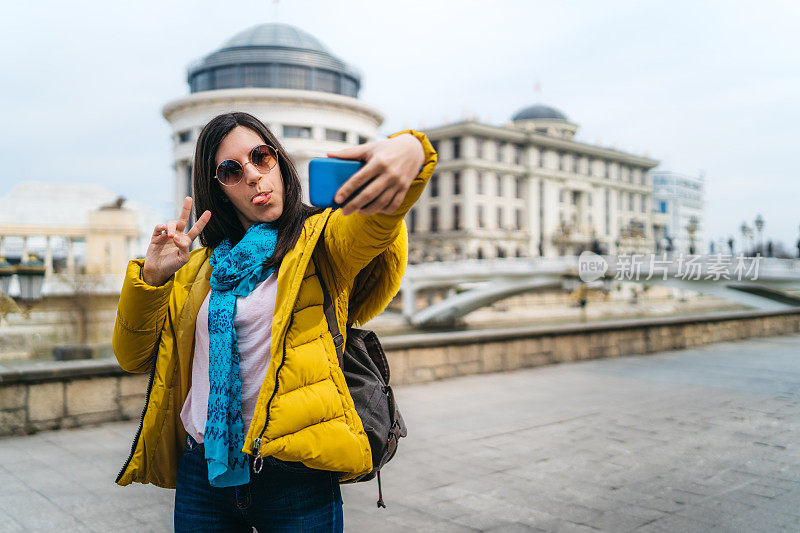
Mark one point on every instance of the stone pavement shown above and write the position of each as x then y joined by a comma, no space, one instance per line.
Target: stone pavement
696,440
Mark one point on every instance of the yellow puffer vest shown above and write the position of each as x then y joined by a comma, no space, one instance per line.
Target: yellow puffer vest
304,410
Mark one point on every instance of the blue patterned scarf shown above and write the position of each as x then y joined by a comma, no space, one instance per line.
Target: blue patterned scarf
235,272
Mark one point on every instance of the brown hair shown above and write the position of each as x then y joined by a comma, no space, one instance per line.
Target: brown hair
208,192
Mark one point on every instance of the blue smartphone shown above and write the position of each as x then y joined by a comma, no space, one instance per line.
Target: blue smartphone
326,175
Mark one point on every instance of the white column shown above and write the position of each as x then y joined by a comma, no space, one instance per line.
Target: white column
70,257
24,249
48,258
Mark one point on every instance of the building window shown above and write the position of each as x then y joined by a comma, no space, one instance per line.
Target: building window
561,161
456,147
189,191
607,169
257,75
501,252
480,183
434,186
630,201
456,183
435,146
644,203
499,186
226,78
518,218
349,87
500,151
457,217
608,212
412,221
542,158
184,136
561,195
203,81
589,199
362,140
480,216
292,77
499,217
575,197
518,187
662,206
434,219
589,163
297,132
517,154
479,147
326,81
335,135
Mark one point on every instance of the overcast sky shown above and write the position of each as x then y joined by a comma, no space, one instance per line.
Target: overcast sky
710,87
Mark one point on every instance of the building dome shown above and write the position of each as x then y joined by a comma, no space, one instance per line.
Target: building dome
539,112
274,55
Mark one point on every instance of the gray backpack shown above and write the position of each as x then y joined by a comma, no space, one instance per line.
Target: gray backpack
366,371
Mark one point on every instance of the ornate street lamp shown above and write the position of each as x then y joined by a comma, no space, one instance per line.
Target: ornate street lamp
745,229
31,277
692,229
759,222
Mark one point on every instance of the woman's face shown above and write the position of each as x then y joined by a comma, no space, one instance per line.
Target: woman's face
237,145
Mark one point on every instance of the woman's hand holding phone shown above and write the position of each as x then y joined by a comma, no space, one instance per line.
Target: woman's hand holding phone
169,246
391,166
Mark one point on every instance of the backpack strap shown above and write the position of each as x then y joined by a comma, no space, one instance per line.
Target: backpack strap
327,305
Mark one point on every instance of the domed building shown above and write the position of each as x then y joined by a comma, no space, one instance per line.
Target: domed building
528,188
287,78
546,120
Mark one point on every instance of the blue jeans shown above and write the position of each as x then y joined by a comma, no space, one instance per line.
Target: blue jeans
282,497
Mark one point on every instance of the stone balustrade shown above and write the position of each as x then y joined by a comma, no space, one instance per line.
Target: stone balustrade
68,394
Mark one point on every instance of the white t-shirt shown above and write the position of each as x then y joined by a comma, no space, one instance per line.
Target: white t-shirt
253,323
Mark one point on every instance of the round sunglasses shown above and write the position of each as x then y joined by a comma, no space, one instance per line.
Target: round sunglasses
264,157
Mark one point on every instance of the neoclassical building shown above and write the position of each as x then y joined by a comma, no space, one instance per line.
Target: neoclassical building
307,96
528,188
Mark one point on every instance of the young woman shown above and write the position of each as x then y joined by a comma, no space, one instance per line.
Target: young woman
248,414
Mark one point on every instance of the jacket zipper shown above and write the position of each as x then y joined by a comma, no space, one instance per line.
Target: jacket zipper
154,355
258,462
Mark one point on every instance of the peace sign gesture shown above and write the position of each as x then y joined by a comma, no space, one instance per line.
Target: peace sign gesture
169,246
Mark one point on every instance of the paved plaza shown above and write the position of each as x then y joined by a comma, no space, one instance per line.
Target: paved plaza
695,440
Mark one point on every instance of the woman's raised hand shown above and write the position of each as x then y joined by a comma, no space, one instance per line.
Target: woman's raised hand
169,246
391,164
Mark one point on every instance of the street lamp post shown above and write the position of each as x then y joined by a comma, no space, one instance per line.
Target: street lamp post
759,223
746,232
692,229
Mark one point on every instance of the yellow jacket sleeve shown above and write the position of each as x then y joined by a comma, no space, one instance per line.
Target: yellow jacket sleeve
353,241
141,312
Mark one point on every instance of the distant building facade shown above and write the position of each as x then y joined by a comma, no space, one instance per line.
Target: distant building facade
73,229
289,80
528,188
682,198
